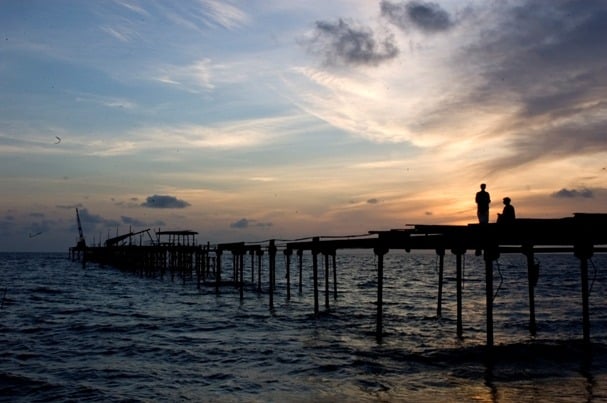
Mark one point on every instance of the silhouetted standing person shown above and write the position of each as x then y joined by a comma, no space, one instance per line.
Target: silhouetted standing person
482,205
508,214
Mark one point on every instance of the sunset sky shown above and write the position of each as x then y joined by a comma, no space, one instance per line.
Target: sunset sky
250,120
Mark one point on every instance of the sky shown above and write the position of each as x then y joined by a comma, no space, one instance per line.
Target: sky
254,120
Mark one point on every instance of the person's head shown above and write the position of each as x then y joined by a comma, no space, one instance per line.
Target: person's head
483,186
507,201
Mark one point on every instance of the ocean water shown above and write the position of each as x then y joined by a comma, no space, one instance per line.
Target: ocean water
69,333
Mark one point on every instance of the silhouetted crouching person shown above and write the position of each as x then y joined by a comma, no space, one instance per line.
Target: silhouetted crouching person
482,205
508,215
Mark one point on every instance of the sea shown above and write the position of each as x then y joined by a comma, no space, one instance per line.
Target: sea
97,333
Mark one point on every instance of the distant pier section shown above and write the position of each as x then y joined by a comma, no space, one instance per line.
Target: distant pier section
178,253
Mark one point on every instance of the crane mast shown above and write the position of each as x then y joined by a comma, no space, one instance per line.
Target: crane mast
81,241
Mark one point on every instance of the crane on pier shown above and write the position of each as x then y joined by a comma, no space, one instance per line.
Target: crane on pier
81,242
117,240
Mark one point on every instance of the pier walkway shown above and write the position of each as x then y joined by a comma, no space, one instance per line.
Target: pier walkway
176,253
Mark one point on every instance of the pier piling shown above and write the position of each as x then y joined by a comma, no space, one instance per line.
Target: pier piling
327,271
380,251
272,271
333,253
441,264
490,254
531,283
259,268
288,253
459,253
584,251
315,251
300,264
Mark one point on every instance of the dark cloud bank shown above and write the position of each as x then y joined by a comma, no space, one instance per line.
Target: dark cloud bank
573,193
246,223
345,42
90,219
549,60
163,201
427,17
544,61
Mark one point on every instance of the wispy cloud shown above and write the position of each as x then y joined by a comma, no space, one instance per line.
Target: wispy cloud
228,135
225,14
121,32
205,14
194,77
263,179
383,164
133,6
107,101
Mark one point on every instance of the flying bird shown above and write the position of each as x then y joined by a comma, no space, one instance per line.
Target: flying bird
35,235
58,139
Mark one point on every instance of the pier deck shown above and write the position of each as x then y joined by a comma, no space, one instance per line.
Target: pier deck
582,235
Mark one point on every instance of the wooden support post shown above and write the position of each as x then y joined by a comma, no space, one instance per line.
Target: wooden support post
491,254
252,266
197,264
272,273
441,265
585,302
172,262
459,281
315,242
184,264
205,263
235,268
163,262
584,251
333,253
380,251
532,275
326,281
218,271
208,261
241,272
288,253
300,263
259,265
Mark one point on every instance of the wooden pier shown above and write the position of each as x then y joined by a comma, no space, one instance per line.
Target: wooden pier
177,253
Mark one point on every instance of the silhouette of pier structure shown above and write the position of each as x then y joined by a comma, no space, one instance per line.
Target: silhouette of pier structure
177,253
